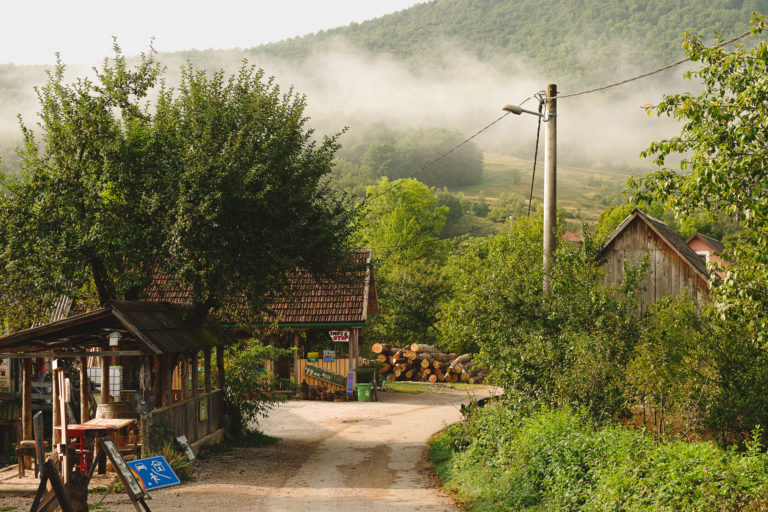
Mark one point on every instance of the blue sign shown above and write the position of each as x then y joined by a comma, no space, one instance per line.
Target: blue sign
153,473
350,382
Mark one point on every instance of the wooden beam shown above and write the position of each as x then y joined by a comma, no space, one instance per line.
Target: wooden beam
220,367
184,375
67,355
26,400
296,376
56,434
104,362
194,373
207,373
168,378
85,412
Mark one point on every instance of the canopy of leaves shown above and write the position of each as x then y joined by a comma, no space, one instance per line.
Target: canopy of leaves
724,166
220,184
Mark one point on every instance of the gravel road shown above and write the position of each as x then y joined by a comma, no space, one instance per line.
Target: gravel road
332,456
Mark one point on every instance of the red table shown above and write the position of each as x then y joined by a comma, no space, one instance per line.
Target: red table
81,438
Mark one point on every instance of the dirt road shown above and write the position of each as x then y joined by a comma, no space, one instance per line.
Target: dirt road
350,456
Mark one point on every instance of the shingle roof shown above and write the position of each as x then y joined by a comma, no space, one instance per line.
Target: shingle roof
667,234
158,327
306,300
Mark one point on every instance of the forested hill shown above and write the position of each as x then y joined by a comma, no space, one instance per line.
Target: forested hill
581,40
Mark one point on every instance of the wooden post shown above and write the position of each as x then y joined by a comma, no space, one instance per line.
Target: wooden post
104,361
194,373
161,381
184,375
220,367
168,378
66,468
296,376
85,413
354,350
26,400
56,434
207,370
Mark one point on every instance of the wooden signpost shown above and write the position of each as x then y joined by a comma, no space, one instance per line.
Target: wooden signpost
132,487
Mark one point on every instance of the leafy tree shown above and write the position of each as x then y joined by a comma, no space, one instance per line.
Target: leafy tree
221,185
401,223
723,144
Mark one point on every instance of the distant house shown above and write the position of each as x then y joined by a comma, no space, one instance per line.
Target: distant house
674,267
707,248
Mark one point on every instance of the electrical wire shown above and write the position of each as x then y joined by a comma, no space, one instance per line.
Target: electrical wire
432,162
649,73
535,153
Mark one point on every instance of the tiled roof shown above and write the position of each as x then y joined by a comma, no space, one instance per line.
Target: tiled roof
306,300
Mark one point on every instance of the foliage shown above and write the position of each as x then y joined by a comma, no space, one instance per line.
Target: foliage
723,168
505,458
404,153
204,186
248,386
582,51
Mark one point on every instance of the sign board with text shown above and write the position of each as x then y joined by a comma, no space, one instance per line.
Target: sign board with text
340,336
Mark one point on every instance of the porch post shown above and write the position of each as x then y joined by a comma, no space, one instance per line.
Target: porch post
184,375
26,400
85,412
193,372
105,361
220,367
296,375
56,411
207,370
354,350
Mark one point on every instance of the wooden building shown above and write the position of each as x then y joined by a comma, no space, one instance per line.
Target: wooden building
673,266
151,342
306,310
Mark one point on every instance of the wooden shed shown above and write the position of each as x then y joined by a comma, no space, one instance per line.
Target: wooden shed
673,266
151,342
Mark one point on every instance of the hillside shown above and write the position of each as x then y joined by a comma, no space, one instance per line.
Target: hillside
577,40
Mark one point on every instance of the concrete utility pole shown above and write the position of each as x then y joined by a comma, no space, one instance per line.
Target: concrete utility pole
550,177
550,184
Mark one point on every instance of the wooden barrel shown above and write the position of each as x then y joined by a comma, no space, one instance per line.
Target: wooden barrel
116,410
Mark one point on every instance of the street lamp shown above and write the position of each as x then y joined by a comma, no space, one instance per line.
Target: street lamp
550,175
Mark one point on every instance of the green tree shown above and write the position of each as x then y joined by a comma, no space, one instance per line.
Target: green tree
221,185
401,223
724,164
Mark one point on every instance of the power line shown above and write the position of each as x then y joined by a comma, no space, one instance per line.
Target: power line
535,152
649,73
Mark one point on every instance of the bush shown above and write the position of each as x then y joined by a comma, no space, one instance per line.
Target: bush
502,458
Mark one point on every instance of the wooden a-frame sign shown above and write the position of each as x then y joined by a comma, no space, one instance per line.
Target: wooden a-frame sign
49,501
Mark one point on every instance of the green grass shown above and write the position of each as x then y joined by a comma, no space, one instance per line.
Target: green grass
414,388
7,509
580,191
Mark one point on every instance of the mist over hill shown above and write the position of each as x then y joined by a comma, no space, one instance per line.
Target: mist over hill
452,64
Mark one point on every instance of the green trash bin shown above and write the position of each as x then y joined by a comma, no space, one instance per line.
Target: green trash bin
364,392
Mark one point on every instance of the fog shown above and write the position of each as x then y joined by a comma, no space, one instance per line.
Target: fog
346,87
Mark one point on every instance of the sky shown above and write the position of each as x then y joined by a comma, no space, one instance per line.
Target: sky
32,31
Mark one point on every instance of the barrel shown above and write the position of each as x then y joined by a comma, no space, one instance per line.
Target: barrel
116,410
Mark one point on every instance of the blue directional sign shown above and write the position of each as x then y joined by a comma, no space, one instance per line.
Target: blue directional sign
153,472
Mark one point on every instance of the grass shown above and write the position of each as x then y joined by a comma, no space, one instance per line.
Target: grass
579,190
416,388
252,439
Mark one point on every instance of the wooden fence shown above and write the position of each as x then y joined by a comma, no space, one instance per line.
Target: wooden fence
195,417
339,367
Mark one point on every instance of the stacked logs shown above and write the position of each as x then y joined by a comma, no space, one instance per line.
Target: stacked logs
420,362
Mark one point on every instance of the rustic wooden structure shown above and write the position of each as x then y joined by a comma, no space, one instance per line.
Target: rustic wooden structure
307,303
673,266
154,338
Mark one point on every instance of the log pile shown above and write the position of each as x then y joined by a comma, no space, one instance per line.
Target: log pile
419,362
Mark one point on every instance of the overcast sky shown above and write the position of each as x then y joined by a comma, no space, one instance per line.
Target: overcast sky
32,31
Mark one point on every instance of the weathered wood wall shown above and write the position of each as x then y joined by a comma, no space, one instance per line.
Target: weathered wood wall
340,367
184,418
668,273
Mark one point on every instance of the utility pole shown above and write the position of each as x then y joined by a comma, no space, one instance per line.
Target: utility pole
550,177
550,185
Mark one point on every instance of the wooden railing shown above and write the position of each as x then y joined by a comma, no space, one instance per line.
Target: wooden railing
195,417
